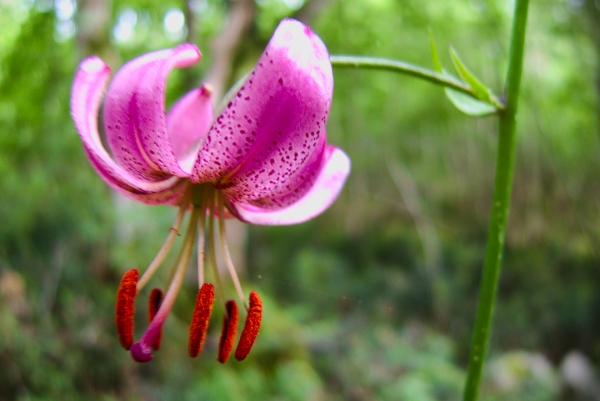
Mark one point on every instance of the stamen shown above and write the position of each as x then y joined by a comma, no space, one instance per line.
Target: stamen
251,327
230,323
156,297
125,307
140,351
199,326
164,250
225,250
201,237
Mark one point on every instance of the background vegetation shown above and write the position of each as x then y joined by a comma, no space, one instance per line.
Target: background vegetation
375,299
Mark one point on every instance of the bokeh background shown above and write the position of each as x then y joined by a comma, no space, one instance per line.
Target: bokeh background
373,300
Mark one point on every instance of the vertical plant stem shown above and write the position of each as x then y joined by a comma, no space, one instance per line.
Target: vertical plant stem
501,201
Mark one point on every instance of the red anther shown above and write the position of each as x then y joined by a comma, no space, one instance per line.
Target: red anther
230,323
251,327
156,297
199,326
125,307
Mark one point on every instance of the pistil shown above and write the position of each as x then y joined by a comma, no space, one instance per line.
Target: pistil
166,247
154,302
140,351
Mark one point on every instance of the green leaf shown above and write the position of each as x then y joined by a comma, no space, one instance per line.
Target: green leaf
437,64
468,104
463,102
482,92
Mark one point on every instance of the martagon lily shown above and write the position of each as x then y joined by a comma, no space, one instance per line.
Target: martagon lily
264,160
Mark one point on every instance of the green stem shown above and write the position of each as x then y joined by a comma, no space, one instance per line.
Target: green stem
401,67
501,202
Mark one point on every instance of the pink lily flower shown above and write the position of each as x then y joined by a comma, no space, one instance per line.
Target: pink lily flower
264,160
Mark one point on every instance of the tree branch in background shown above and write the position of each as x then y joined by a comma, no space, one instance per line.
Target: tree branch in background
93,27
310,10
593,15
225,45
426,230
190,22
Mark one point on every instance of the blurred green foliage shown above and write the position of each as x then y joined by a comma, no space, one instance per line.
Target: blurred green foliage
375,299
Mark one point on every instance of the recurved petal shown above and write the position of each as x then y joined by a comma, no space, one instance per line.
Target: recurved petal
320,196
188,122
134,113
278,196
89,84
272,126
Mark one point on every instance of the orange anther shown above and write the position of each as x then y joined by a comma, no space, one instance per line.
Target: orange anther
230,323
251,327
125,307
199,326
156,297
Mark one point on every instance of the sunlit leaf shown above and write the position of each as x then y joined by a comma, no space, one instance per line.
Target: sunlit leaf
469,105
479,89
437,64
463,102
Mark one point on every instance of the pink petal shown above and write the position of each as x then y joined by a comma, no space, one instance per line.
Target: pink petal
188,122
89,84
308,175
322,194
270,131
134,113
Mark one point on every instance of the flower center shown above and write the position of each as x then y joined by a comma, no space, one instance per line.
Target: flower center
206,204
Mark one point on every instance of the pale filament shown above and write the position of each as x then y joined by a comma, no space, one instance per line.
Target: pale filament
211,246
201,238
226,254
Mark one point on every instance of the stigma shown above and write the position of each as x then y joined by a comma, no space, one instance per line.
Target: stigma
207,205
